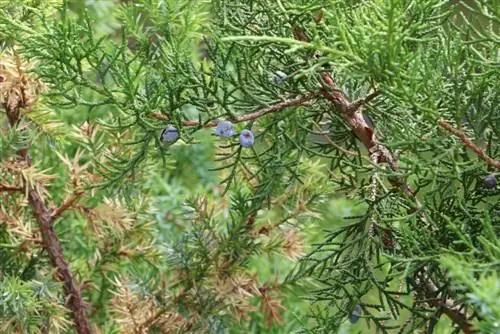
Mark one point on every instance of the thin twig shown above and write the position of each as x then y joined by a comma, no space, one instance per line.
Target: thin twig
362,101
332,143
373,192
352,115
9,187
68,202
467,142
299,100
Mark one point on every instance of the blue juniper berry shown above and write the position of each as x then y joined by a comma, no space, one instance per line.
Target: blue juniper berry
490,181
279,77
169,134
224,129
246,138
355,314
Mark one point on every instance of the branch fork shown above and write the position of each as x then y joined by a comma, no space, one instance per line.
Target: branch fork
352,114
273,108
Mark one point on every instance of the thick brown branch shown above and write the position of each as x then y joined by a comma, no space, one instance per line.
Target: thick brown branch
299,100
54,250
467,142
50,240
351,112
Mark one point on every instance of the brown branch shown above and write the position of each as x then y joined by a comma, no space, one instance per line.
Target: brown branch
9,187
299,100
352,115
351,112
467,142
451,309
332,143
53,247
362,101
68,202
50,240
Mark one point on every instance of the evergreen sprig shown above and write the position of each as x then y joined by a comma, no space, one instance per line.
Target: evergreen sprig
388,104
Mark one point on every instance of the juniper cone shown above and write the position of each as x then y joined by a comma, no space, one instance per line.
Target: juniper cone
246,138
356,314
279,77
224,129
169,134
490,181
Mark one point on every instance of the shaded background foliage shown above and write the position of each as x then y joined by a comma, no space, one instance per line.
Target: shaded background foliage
205,236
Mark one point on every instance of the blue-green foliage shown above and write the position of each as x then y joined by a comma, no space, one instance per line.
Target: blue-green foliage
204,231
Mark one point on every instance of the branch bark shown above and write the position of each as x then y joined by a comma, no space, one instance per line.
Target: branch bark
448,306
54,250
43,215
299,100
8,187
467,142
352,115
68,202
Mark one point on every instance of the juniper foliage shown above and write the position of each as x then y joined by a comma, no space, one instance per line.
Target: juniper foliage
328,217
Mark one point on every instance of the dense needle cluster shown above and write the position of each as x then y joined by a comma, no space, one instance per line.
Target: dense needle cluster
284,209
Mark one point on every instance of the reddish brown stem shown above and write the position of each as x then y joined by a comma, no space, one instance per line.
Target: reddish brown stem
352,115
52,244
68,202
299,100
467,142
54,250
8,187
448,306
351,112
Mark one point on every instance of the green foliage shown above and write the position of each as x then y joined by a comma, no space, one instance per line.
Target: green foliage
28,305
204,235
